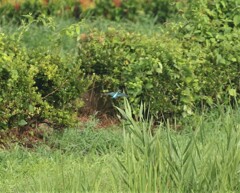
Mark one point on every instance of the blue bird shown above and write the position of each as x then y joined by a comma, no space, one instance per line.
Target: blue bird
116,94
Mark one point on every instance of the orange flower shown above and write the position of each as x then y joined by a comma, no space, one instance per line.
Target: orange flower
17,6
87,4
83,37
117,3
45,2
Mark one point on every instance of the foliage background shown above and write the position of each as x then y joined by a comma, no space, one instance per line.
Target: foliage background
190,62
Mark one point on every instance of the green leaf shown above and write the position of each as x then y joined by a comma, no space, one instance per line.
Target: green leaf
22,122
31,108
159,69
236,20
149,86
232,92
187,110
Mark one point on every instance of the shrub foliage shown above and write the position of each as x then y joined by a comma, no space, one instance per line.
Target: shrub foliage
194,62
37,85
111,9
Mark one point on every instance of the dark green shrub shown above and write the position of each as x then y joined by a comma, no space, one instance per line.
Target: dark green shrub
214,26
175,75
219,13
15,12
134,10
147,68
37,85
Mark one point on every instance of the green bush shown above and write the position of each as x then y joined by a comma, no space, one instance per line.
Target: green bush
145,67
135,9
173,74
15,12
214,27
116,9
194,62
219,13
37,85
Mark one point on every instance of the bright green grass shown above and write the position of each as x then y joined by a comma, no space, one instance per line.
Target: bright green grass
203,157
73,161
26,171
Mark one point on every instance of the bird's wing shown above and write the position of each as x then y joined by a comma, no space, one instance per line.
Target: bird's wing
116,94
110,93
122,95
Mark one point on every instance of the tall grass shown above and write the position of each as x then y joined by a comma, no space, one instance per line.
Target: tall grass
73,163
206,159
203,157
56,173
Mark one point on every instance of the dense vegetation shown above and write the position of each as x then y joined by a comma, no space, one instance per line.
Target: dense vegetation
203,157
161,10
179,64
186,65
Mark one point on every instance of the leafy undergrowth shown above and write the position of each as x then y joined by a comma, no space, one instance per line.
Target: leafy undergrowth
203,157
37,134
70,160
29,137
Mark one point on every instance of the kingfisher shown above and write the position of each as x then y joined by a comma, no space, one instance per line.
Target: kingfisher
116,94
